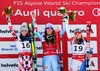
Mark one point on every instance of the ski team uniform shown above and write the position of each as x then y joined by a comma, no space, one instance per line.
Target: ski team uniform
50,58
78,56
78,52
24,52
25,58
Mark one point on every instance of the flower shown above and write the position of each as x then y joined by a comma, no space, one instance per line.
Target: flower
7,10
72,16
62,10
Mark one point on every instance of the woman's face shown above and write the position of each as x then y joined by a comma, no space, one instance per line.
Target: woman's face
24,32
49,30
78,35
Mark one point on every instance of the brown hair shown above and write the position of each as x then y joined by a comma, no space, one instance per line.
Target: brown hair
53,37
76,41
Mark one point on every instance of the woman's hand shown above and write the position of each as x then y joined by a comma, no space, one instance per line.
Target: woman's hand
8,17
33,16
8,20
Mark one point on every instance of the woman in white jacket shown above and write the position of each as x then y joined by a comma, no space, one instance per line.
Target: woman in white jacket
79,49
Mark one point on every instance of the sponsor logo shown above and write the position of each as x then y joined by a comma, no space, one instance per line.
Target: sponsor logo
46,13
16,49
39,48
72,31
12,45
7,31
96,12
9,65
92,64
26,13
83,28
9,49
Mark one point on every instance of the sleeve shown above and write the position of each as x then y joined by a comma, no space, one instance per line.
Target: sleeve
39,36
66,26
36,31
11,28
63,29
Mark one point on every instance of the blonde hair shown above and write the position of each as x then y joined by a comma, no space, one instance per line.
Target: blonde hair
76,41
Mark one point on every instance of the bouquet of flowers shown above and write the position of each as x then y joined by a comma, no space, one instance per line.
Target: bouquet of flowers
7,10
63,10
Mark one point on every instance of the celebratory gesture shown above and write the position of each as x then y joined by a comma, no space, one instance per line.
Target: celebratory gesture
50,57
22,42
64,12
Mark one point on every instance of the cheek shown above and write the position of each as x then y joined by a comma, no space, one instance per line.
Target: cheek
24,33
49,31
80,35
77,36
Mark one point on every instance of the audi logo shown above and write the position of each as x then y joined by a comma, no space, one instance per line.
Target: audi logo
96,12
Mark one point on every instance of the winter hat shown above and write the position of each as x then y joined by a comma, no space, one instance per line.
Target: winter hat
48,25
77,31
24,27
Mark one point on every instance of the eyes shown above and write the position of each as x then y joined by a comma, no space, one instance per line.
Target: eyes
49,28
78,33
24,30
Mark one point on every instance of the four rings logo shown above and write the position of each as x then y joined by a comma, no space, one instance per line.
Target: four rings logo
96,12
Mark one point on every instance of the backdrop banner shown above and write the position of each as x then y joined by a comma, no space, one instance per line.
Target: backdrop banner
47,11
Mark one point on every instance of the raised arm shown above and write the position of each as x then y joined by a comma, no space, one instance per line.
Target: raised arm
11,27
63,26
66,27
35,27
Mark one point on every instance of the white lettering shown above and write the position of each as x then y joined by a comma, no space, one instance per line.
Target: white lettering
32,3
18,12
46,13
51,3
26,13
65,3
